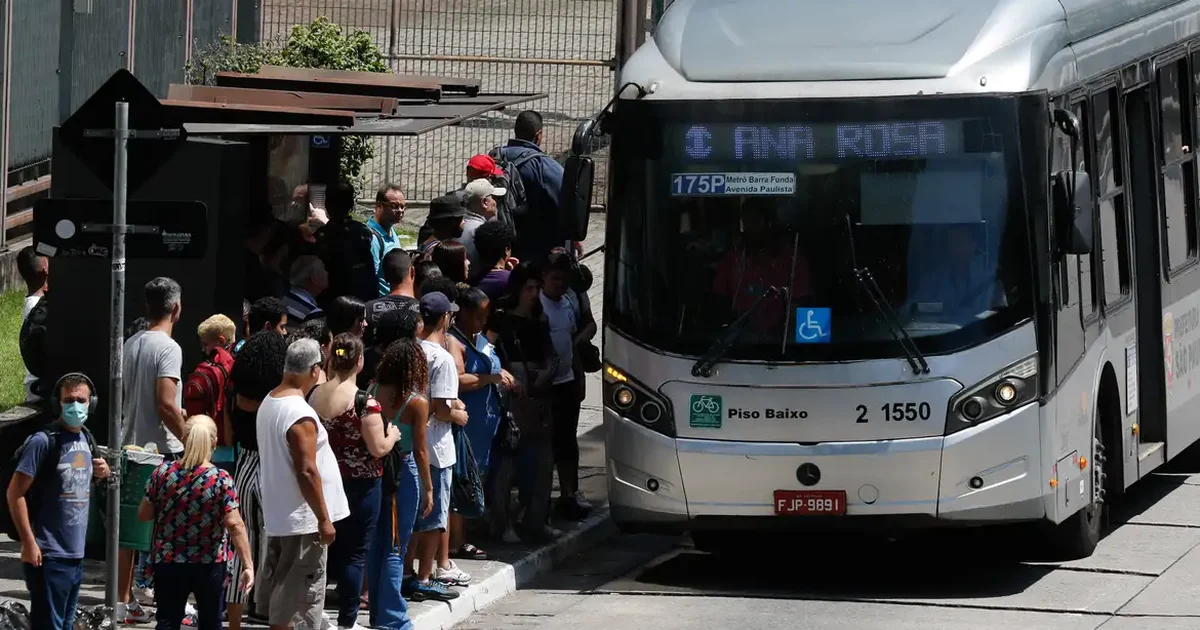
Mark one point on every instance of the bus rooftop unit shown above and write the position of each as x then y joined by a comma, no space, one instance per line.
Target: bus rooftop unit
900,264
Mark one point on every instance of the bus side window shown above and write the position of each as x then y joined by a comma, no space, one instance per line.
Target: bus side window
1109,176
1178,176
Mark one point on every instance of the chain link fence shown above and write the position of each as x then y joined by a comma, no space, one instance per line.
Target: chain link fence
564,48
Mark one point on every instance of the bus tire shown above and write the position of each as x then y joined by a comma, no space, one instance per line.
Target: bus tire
1078,536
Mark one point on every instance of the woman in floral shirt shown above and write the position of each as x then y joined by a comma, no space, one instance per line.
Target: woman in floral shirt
195,510
359,437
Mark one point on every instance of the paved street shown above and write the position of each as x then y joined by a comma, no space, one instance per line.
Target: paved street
1145,575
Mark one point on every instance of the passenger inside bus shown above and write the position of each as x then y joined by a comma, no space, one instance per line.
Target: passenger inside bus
761,257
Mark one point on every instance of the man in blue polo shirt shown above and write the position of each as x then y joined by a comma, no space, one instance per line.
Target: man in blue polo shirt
389,210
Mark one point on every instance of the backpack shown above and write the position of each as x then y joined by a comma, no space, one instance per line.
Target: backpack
204,391
33,498
516,202
345,248
34,351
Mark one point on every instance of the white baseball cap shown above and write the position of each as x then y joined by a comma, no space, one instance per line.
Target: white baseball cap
483,188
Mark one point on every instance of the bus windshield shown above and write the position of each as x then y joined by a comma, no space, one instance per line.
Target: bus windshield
716,205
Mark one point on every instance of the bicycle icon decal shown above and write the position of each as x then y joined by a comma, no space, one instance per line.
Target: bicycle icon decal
706,411
813,325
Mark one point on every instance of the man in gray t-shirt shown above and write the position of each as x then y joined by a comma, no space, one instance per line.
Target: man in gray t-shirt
152,410
150,356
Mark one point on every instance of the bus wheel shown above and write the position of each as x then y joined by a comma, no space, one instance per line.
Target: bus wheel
716,542
1078,536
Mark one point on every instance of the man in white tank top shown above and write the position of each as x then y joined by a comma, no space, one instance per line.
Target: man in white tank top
302,493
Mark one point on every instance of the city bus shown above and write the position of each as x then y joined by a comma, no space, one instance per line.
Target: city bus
900,265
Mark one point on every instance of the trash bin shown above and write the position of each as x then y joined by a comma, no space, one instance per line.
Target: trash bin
136,468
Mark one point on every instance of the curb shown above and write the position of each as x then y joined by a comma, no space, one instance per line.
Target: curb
511,577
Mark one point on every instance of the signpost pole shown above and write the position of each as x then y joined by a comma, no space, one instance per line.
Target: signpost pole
116,354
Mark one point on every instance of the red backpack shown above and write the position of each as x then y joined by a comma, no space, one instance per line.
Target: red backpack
204,391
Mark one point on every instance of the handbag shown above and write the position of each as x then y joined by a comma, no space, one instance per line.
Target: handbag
466,486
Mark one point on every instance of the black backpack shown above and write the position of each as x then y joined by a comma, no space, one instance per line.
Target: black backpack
345,248
33,498
33,339
515,203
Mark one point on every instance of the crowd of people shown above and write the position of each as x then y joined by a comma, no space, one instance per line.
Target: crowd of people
368,420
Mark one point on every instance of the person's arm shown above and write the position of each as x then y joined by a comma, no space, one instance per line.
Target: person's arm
418,418
170,367
170,414
377,434
469,382
227,422
302,445
552,179
37,450
588,328
146,509
241,545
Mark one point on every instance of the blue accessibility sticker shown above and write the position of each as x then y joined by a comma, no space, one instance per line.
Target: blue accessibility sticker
813,325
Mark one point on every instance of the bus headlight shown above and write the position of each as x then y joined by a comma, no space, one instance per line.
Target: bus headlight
994,396
637,402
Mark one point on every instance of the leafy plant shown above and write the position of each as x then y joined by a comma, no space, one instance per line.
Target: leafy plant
321,44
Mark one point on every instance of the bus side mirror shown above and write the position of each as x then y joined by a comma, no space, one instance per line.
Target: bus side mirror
581,142
576,197
1072,195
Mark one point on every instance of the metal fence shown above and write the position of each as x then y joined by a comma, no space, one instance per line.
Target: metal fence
58,52
564,48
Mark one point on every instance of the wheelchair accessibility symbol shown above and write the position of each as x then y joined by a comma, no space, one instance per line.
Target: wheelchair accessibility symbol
812,325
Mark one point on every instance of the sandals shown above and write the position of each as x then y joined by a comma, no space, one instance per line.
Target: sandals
470,552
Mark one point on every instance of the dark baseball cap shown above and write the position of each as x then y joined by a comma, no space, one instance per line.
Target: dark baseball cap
446,207
436,304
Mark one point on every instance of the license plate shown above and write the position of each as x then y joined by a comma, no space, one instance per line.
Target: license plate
810,502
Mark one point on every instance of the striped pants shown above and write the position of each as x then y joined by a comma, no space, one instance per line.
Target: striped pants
246,482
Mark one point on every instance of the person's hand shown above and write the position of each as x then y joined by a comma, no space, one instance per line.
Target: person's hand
507,381
31,553
326,531
457,405
578,249
427,502
246,582
512,263
100,469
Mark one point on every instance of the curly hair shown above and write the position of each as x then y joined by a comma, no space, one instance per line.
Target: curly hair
403,367
258,367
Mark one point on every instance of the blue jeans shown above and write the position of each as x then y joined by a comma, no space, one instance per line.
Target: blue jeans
348,553
385,563
53,592
176,581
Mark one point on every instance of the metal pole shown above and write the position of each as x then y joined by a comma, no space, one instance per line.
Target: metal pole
7,122
116,353
66,60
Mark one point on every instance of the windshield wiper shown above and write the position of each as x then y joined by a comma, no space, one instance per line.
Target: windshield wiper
863,275
703,367
787,308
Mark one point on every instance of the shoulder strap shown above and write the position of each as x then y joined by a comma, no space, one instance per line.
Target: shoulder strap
308,396
462,337
525,158
360,403
50,461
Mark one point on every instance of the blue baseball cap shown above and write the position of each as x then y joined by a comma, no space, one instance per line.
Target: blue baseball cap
436,304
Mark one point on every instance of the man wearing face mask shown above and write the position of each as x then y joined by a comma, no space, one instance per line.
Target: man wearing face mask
49,497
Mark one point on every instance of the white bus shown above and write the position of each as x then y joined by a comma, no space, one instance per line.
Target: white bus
900,264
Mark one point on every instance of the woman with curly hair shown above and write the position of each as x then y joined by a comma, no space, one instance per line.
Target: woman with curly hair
257,370
401,383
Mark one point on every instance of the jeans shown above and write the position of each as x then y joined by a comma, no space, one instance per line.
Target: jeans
53,592
175,581
385,563
348,553
565,402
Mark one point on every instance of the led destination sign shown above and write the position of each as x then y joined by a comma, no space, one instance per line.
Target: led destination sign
725,142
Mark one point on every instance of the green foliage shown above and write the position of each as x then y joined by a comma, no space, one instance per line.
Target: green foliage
318,45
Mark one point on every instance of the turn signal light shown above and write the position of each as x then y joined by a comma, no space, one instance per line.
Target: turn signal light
1053,483
1082,463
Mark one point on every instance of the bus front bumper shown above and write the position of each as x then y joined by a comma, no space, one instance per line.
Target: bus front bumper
988,474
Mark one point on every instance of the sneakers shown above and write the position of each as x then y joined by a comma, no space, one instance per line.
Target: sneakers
144,596
433,590
132,613
452,575
408,587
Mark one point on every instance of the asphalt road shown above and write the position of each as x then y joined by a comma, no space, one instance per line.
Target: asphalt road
1145,575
